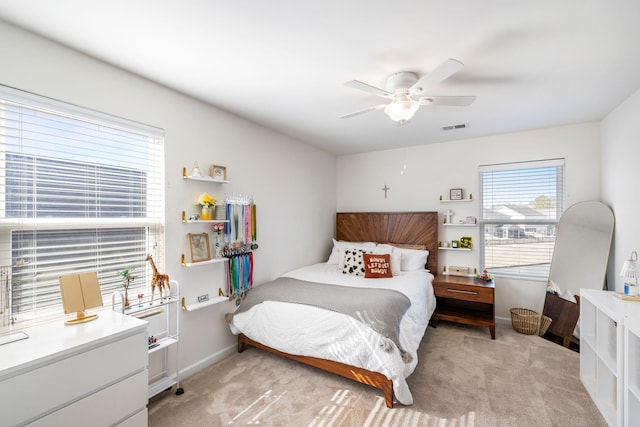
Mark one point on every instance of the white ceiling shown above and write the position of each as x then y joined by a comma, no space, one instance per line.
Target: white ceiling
283,63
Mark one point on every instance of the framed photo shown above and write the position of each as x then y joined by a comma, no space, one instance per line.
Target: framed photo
455,194
455,244
219,172
199,247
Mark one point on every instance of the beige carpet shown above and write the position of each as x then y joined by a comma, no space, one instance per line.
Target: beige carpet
463,379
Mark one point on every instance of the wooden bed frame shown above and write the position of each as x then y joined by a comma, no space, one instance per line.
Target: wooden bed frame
382,227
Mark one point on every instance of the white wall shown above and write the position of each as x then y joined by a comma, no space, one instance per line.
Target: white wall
620,179
433,169
292,183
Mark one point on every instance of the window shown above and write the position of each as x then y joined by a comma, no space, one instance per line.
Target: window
79,191
520,206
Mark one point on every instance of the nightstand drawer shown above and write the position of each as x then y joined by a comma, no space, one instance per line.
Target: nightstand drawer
464,292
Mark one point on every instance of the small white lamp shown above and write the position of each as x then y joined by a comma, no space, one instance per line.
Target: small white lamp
630,273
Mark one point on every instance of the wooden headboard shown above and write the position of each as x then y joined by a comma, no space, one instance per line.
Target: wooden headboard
419,228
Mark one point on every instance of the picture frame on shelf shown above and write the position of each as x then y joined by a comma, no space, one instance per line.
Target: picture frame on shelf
218,172
455,244
199,247
455,194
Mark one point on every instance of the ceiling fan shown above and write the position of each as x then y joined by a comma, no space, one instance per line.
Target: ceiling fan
407,92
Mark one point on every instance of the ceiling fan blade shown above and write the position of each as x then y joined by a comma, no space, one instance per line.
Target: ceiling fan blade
357,84
356,113
448,101
443,71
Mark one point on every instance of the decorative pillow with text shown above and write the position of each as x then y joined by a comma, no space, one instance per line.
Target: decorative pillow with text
377,265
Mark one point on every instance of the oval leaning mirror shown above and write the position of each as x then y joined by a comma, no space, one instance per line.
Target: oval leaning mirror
583,243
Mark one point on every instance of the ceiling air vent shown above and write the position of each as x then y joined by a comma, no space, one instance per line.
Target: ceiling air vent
456,127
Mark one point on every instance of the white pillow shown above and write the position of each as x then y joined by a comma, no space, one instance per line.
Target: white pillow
337,254
412,259
396,260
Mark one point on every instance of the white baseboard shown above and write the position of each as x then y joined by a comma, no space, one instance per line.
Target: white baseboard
208,361
503,320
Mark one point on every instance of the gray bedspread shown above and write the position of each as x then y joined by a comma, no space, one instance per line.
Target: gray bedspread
380,309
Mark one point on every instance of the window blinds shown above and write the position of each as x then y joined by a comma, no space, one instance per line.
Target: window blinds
79,191
520,206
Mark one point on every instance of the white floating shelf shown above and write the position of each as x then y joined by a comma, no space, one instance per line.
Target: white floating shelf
453,224
196,264
454,249
200,305
455,201
203,178
215,221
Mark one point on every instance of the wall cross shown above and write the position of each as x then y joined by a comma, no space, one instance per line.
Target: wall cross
385,189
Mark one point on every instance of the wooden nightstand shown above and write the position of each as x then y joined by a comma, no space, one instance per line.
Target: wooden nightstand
465,300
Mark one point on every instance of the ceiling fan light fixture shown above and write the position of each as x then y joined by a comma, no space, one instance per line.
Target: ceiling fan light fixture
402,108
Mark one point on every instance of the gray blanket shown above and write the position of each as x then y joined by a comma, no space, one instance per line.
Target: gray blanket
380,309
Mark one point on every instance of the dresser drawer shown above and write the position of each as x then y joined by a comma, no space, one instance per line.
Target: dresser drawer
464,292
53,386
108,406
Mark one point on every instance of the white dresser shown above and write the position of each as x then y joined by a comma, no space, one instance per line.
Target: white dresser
93,373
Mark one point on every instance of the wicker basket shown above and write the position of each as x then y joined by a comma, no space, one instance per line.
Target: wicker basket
525,321
545,321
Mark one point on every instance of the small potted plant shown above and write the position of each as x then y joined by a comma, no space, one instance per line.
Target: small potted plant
127,278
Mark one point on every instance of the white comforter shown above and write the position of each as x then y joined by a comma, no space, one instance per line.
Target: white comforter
311,331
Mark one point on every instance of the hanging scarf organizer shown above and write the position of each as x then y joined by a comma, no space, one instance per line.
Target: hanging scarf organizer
240,242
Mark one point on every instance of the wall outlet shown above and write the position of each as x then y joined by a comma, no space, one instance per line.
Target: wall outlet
203,298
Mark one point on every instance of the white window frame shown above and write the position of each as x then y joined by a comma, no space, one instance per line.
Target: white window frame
523,223
149,224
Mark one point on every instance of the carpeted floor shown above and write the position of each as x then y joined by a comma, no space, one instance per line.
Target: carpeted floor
463,379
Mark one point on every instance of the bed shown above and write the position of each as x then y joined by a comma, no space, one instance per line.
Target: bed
352,345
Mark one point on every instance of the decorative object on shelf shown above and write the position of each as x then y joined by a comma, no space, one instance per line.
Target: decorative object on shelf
218,228
465,242
218,172
485,276
630,273
140,296
207,202
471,220
447,216
127,278
79,293
199,247
158,280
152,342
220,213
455,244
195,171
459,271
455,194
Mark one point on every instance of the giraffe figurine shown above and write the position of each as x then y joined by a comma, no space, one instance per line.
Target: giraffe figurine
158,280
